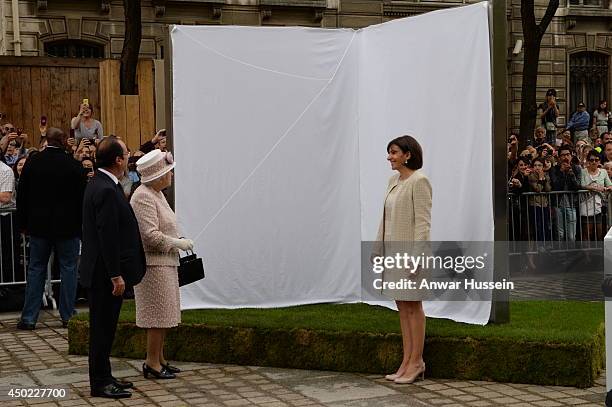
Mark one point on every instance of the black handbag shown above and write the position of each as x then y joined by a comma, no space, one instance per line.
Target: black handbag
190,269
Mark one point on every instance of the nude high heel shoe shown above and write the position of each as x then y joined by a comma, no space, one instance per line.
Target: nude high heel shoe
412,378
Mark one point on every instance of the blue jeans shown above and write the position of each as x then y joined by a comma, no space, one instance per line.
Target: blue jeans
566,224
67,253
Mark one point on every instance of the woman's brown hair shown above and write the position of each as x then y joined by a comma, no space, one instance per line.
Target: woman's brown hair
409,144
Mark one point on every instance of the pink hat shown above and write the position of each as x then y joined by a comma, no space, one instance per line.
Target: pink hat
154,164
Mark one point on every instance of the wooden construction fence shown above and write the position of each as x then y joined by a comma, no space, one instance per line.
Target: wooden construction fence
131,117
31,87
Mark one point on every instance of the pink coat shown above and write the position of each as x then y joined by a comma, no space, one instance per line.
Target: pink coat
157,223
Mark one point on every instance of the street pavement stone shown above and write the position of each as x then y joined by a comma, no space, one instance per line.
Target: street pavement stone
39,359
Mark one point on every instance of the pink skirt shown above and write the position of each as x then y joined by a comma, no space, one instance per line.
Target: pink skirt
158,300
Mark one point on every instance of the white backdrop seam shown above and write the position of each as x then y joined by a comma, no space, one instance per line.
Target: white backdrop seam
252,65
246,179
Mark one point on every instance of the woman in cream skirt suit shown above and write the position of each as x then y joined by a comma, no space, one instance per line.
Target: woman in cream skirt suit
406,220
158,305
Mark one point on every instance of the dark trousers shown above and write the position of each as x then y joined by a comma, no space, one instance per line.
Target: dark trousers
541,220
104,310
10,250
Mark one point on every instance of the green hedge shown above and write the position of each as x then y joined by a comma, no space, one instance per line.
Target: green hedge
540,346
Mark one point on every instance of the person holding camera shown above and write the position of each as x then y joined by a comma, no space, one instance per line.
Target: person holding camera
545,150
6,129
15,136
84,125
517,184
539,182
157,142
548,116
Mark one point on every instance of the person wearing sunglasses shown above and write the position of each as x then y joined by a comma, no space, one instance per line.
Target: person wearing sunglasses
565,176
7,128
596,180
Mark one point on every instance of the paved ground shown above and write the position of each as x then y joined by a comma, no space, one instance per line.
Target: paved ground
40,359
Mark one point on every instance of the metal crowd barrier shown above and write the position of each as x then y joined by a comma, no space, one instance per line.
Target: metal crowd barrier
14,257
560,220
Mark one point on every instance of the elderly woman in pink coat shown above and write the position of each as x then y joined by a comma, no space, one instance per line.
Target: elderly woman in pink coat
157,296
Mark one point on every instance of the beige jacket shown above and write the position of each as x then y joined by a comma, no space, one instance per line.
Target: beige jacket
157,223
412,212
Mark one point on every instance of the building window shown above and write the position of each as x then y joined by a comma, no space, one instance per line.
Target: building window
586,3
73,49
588,79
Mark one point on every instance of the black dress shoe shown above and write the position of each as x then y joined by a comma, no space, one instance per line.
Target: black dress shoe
64,324
25,326
171,369
124,384
111,391
162,374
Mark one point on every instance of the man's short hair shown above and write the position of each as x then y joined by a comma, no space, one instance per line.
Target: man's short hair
55,137
108,151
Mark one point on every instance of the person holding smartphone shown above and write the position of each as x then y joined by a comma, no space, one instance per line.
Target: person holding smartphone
84,125
157,142
88,166
549,111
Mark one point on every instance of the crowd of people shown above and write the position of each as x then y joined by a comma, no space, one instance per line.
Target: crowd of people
85,134
17,148
101,210
546,176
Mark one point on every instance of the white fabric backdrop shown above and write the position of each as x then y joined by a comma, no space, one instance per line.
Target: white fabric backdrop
429,76
280,137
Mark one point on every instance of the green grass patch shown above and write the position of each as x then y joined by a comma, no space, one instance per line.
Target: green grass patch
559,343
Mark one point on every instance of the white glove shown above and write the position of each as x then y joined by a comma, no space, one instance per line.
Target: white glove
182,244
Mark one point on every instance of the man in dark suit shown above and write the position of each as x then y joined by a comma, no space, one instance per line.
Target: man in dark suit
112,258
49,207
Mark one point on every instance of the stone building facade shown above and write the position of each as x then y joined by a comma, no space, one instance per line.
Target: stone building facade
575,54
